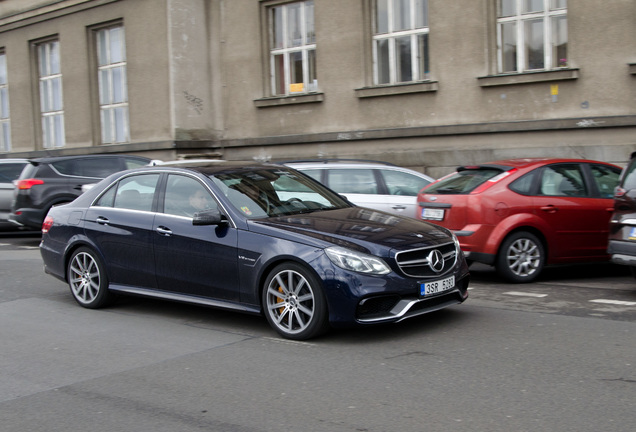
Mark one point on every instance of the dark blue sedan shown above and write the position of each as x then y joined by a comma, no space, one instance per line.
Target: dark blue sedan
256,238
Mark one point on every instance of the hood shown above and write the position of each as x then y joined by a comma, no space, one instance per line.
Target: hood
357,228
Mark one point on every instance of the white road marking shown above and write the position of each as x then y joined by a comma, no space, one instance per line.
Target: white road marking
525,294
614,302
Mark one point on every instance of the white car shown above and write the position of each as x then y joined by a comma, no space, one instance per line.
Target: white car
372,184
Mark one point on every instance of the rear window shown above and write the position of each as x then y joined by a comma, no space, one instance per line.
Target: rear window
463,182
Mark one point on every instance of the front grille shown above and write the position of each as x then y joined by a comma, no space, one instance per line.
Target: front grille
422,263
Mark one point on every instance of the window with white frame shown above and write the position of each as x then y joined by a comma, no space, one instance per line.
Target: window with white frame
400,41
113,86
5,125
292,48
51,103
531,35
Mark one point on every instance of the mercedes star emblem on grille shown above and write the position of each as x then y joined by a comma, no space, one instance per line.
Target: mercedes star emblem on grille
436,261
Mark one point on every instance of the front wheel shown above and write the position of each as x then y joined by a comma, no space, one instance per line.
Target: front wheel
87,279
294,303
521,257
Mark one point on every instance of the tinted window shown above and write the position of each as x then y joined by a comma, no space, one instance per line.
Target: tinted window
606,179
131,163
563,180
359,181
401,183
134,192
185,196
314,174
464,181
88,167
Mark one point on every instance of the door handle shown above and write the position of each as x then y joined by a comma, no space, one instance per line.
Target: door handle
399,207
164,231
101,220
549,209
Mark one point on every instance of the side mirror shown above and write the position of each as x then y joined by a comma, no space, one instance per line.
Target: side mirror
209,217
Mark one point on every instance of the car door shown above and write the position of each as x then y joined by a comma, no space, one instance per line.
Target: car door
402,189
193,260
569,204
120,225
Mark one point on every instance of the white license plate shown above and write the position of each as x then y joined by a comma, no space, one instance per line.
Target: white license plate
439,286
432,213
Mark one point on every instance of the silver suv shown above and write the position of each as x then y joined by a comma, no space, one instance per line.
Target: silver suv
10,170
377,185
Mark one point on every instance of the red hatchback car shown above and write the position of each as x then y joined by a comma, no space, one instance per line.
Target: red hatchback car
522,214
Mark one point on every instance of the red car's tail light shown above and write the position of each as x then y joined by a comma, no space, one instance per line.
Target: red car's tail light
47,224
491,182
28,183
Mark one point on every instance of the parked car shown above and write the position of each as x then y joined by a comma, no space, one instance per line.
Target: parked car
522,214
372,184
255,238
50,181
622,237
10,170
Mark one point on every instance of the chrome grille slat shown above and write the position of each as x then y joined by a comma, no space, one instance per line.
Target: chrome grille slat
416,262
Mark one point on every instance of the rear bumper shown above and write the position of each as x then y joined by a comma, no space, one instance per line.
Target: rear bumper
473,240
31,218
622,252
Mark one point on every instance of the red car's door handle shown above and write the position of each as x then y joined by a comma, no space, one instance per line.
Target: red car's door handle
549,209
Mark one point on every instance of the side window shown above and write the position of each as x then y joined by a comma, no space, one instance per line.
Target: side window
131,163
185,196
315,174
401,183
88,167
606,179
360,181
524,185
563,180
136,192
400,41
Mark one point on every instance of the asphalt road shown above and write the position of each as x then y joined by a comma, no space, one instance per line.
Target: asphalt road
555,355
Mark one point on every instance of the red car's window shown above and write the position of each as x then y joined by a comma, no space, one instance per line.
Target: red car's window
463,182
563,180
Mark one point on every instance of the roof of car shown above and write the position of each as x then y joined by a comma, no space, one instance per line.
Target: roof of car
526,162
339,162
48,159
213,166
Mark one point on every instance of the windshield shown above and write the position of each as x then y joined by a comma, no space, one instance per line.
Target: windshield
265,192
462,182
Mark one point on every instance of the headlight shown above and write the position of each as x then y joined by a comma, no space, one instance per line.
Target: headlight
357,261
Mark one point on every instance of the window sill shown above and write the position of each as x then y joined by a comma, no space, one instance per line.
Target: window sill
390,90
528,77
632,68
289,100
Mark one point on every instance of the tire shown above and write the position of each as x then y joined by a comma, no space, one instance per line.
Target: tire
521,257
293,302
87,279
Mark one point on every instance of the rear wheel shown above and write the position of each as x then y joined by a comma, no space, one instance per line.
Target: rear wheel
294,303
521,257
87,279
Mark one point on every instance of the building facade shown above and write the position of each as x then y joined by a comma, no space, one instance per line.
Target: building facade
426,84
